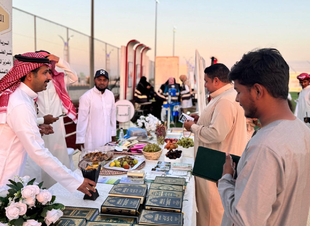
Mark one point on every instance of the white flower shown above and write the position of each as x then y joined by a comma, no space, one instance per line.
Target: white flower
12,211
44,197
30,191
1,224
52,216
3,191
22,208
23,180
31,223
139,123
30,201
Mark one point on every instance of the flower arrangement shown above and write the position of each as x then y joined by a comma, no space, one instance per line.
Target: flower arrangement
160,133
22,202
148,122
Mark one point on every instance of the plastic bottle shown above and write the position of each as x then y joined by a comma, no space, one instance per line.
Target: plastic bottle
121,134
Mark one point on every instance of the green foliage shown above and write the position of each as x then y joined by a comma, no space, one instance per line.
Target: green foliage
38,212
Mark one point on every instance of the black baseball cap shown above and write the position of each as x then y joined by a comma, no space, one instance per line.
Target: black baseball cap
102,72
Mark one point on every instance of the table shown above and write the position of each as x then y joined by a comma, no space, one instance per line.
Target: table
76,198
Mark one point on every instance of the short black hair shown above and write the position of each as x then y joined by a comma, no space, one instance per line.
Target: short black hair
218,70
38,51
265,67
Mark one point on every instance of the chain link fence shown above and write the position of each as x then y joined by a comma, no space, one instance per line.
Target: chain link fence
32,33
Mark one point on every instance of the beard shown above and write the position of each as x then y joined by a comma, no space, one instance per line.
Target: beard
251,111
101,89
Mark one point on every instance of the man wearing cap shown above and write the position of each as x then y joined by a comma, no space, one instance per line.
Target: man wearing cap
53,102
303,102
97,116
19,133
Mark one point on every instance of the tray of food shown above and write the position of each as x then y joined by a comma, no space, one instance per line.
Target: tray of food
125,163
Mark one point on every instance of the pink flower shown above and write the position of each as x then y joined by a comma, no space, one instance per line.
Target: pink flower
44,197
30,201
14,210
30,191
32,223
52,216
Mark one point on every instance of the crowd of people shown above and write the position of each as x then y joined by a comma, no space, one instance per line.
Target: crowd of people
270,184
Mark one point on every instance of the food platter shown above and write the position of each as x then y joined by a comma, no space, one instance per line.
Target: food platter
140,160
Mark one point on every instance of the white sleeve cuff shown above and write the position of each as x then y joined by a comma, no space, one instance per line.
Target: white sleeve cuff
40,121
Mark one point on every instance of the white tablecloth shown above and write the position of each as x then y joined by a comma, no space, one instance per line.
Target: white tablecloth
76,198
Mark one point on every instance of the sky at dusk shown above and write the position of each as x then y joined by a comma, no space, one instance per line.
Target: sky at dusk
225,29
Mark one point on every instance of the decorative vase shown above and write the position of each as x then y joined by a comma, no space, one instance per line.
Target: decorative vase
160,140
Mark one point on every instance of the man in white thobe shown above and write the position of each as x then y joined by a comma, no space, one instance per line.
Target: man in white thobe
303,102
273,179
222,127
19,133
96,124
50,103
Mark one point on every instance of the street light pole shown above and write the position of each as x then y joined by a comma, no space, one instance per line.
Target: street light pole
155,48
66,47
91,52
174,29
108,61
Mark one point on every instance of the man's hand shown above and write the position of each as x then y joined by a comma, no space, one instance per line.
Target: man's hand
86,186
45,129
49,119
188,124
79,146
195,116
229,166
52,57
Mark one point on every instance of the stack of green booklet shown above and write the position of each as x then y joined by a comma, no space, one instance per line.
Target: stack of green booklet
171,181
151,217
129,190
80,212
70,221
106,224
121,206
115,219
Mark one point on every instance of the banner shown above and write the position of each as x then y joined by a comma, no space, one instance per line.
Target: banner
199,73
6,60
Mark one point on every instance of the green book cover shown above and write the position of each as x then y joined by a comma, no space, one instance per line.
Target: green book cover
129,190
131,180
106,224
70,222
163,193
151,217
80,212
110,219
170,180
164,203
167,187
120,205
209,163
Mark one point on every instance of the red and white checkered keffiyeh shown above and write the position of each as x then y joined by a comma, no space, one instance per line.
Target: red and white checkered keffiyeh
10,82
60,87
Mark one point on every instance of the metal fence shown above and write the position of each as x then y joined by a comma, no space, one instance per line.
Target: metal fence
31,33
